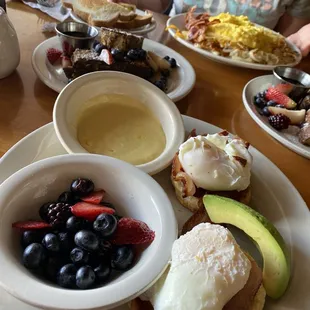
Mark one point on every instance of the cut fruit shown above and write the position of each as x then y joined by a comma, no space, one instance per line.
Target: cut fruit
162,63
284,88
106,56
276,269
280,98
94,197
296,116
31,225
89,211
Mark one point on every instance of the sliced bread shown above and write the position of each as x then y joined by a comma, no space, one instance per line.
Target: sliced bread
139,21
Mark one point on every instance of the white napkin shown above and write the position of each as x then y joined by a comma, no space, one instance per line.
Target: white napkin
58,12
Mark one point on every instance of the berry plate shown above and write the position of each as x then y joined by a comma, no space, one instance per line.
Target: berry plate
180,82
279,195
288,137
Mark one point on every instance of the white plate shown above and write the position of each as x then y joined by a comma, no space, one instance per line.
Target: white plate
272,194
138,31
179,21
180,82
287,137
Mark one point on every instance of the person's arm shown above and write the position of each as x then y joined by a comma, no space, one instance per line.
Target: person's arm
296,16
301,39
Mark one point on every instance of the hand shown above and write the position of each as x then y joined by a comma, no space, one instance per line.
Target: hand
302,40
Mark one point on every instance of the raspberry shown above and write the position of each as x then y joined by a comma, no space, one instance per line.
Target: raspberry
279,121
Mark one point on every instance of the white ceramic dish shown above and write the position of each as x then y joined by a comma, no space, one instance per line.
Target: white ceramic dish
129,190
180,83
272,194
179,21
74,97
287,137
138,31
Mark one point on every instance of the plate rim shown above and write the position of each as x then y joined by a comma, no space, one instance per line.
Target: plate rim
175,95
224,60
272,132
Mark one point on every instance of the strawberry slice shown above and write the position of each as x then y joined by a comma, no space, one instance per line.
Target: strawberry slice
94,197
284,88
31,225
280,98
53,55
89,211
106,56
131,231
66,62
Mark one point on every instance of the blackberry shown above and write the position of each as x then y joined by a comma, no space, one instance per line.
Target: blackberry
58,213
279,121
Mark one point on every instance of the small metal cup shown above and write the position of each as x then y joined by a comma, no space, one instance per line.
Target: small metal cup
70,42
298,80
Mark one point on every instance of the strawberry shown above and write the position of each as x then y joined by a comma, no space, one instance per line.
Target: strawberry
53,55
131,231
89,211
284,88
94,197
106,56
280,98
31,225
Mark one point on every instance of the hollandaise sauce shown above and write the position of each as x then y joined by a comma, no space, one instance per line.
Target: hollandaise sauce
121,127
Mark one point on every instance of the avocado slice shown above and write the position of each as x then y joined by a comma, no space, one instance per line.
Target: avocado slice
276,267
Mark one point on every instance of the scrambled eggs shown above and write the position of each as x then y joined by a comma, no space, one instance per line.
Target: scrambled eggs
238,30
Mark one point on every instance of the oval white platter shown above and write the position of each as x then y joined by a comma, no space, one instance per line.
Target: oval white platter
287,137
272,194
138,31
180,82
179,22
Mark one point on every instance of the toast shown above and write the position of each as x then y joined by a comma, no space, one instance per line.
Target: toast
137,22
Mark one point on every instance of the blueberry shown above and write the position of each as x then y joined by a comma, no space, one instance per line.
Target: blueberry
117,54
65,241
52,267
85,277
160,84
44,210
122,258
102,272
79,256
105,248
30,236
133,54
68,197
280,106
86,240
96,42
51,242
260,103
98,48
142,53
173,62
82,187
271,103
266,112
165,73
167,58
34,256
106,224
74,224
66,276
261,94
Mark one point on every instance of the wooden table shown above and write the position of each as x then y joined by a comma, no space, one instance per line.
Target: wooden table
26,103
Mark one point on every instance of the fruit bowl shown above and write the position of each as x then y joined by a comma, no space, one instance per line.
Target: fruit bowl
134,194
77,99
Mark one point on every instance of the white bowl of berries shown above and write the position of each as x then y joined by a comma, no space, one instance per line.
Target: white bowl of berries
82,232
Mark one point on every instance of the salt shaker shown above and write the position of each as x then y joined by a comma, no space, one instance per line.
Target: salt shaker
9,47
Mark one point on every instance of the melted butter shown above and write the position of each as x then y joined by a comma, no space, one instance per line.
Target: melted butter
120,127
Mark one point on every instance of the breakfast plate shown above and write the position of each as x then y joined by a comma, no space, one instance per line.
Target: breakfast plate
288,137
180,82
179,22
272,194
138,31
